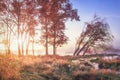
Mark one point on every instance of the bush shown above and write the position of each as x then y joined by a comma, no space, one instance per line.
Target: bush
109,65
95,60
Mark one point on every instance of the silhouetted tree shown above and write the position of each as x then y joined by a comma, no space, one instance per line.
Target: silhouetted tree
31,22
8,33
8,26
57,37
44,10
54,14
31,33
96,33
19,13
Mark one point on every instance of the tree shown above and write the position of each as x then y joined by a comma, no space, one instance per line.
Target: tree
96,33
59,15
54,14
19,13
8,26
57,36
31,33
44,20
31,23
8,33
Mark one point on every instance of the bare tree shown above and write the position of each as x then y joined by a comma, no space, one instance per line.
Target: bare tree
96,33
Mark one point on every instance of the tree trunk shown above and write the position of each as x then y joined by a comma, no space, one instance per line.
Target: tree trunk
8,49
85,50
78,44
46,44
54,42
27,49
54,49
22,49
18,27
8,41
27,46
87,43
33,46
90,42
19,50
82,48
9,44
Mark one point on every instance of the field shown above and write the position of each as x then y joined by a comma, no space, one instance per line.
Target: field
58,68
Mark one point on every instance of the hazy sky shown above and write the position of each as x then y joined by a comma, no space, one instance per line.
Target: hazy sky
108,9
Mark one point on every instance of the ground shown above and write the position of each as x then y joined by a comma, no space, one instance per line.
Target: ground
58,68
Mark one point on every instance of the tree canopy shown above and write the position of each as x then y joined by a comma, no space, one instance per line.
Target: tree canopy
53,15
96,35
23,16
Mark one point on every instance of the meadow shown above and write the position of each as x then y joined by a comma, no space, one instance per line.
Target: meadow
57,67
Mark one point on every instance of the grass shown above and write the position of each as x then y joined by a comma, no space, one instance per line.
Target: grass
53,68
9,67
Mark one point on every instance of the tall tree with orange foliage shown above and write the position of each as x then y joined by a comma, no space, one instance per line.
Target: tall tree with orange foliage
61,12
54,14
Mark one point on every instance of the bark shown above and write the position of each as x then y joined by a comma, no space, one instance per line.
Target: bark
92,35
90,42
18,27
46,44
78,45
8,42
85,50
54,43
82,48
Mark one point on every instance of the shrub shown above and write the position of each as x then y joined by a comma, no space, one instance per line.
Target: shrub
109,65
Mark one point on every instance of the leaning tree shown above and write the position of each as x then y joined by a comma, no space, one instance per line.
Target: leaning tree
95,35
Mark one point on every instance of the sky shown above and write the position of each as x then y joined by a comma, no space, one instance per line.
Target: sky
108,9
